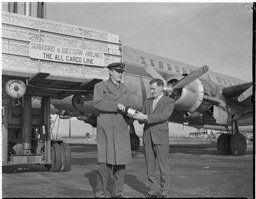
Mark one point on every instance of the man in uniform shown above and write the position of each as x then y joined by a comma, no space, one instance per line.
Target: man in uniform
113,138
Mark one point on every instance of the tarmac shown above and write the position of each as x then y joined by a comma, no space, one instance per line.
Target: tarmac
197,171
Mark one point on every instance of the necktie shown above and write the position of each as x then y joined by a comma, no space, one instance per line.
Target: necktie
154,103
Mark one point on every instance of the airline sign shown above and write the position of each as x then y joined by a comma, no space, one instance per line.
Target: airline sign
56,53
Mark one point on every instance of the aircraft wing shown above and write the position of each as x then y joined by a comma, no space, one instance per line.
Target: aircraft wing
41,83
239,94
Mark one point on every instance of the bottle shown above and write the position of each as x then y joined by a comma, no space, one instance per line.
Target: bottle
129,110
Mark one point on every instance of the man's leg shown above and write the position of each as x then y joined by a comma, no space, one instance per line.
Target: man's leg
151,168
162,151
103,176
119,177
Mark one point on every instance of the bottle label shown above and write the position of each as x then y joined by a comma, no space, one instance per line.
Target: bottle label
131,111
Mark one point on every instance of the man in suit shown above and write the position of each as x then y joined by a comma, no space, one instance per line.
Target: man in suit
155,115
113,139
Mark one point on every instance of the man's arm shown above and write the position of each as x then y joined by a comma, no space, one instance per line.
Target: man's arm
157,117
164,115
143,116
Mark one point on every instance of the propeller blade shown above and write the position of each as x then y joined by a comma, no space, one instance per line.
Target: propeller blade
153,73
191,77
247,93
183,82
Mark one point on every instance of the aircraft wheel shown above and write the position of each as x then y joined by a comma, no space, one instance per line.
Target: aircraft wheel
135,141
223,144
65,157
56,158
238,144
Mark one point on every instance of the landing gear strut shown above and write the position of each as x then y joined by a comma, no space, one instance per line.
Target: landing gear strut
232,143
238,144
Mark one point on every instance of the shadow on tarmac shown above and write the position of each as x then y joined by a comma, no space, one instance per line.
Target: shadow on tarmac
92,179
130,180
134,183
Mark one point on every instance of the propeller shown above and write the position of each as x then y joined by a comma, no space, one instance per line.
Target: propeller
154,74
247,93
181,83
191,77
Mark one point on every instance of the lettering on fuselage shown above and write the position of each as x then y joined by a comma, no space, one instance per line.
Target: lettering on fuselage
183,70
162,66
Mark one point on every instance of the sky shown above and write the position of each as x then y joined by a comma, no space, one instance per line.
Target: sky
215,34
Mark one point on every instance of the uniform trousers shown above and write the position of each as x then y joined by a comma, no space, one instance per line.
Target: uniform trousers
103,178
158,152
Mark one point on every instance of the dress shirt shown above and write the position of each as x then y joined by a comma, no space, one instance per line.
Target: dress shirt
156,100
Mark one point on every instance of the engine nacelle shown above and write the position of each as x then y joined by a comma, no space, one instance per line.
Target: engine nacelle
191,97
84,103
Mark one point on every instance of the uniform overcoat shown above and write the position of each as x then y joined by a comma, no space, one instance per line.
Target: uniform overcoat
113,138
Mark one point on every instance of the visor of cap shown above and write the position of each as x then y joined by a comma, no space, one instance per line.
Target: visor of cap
116,65
120,70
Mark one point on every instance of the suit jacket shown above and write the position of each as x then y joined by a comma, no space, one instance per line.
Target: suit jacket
157,125
113,138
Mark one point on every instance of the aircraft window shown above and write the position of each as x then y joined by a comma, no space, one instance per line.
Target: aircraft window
209,77
169,67
218,79
224,81
184,70
229,82
177,69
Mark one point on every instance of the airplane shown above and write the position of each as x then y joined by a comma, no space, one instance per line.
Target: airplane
203,98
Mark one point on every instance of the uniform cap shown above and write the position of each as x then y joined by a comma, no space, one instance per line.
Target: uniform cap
117,66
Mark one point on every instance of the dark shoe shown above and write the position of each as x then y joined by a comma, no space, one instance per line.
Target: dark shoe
164,196
151,196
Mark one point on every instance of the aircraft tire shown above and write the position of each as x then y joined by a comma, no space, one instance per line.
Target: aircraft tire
223,144
56,158
238,144
135,141
65,157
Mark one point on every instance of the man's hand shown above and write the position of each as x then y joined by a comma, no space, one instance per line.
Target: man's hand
140,116
121,107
